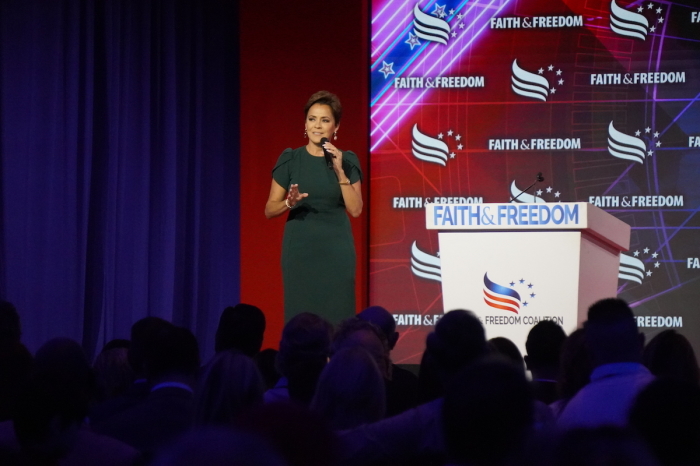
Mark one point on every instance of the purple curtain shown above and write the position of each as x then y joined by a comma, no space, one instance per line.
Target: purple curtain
119,151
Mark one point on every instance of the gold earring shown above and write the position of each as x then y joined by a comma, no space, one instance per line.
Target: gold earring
304,134
335,136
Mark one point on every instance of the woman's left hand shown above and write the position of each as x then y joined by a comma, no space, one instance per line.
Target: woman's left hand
337,155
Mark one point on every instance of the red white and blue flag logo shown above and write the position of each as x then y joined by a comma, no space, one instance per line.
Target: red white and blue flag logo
501,297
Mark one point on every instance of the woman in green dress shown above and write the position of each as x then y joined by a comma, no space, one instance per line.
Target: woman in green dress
318,251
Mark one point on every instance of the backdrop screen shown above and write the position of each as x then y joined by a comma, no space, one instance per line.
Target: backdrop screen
471,99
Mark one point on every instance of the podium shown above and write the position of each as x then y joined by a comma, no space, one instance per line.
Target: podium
514,265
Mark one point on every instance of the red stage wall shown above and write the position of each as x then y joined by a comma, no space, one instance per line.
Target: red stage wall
290,50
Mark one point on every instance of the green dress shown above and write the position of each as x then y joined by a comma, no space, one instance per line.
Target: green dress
318,251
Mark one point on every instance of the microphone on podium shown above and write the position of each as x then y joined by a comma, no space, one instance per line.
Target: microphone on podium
327,155
538,179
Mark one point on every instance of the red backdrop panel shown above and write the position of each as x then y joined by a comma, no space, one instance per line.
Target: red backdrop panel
289,50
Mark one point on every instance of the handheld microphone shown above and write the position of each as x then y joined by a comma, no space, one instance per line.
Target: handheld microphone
327,155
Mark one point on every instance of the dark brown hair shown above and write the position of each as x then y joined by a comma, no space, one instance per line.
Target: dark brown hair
326,98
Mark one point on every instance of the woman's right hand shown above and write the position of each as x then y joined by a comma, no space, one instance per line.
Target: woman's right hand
294,196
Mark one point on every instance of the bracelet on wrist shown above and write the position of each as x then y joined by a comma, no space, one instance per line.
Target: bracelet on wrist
286,202
344,182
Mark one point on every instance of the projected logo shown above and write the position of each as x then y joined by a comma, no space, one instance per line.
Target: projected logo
635,24
431,28
506,298
535,85
429,149
526,197
633,269
633,148
424,265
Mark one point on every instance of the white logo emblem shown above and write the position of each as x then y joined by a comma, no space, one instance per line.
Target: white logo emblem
429,149
631,269
430,28
626,147
528,84
628,23
424,265
523,197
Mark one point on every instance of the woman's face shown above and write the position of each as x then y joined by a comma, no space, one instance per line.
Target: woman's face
320,123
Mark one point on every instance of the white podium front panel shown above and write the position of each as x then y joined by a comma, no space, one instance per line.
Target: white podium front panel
512,280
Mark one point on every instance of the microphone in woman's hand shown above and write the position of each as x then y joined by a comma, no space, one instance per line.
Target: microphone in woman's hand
327,155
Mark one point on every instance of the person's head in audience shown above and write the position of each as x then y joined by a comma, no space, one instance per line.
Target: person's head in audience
670,355
350,391
55,401
457,340
143,336
301,436
543,346
611,333
241,327
219,446
574,365
507,349
174,357
666,414
112,369
384,320
354,332
15,366
487,413
601,446
10,329
303,353
229,384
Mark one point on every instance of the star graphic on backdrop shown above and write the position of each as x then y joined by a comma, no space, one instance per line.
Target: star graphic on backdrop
658,143
651,5
640,9
636,253
459,146
522,280
460,16
512,283
655,255
449,133
656,134
452,155
646,250
539,192
561,82
647,130
652,29
637,133
648,273
452,11
439,11
661,20
557,194
454,34
553,91
440,136
458,137
541,70
529,285
549,189
657,264
525,303
650,153
461,25
532,295
387,69
658,11
558,72
550,67
438,253
412,40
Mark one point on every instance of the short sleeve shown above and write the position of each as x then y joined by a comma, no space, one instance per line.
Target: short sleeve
351,166
282,173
